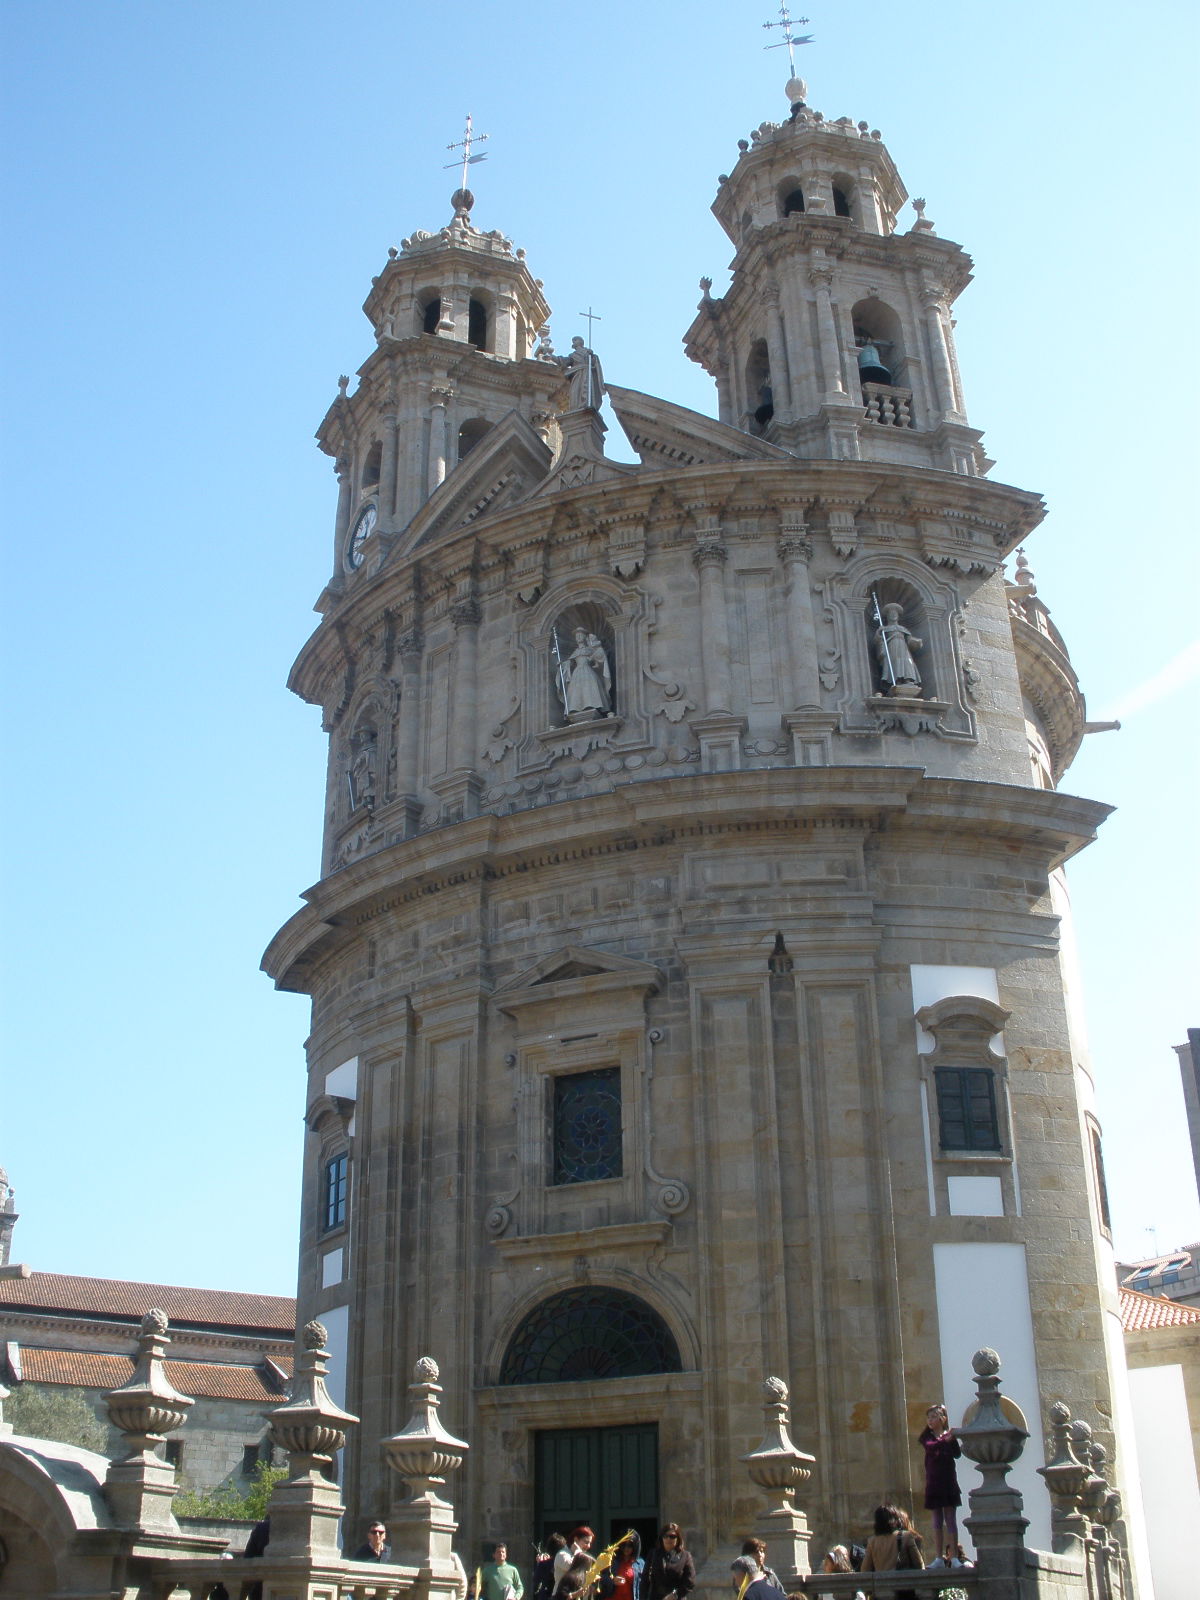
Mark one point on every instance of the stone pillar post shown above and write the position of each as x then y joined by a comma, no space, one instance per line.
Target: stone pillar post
342,520
781,382
993,1442
465,616
1065,1477
779,1468
821,278
438,401
423,1526
408,739
140,1486
710,556
387,468
726,405
306,1508
943,378
504,339
795,552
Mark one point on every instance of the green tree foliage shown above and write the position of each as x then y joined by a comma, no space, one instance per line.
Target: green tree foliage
226,1503
51,1411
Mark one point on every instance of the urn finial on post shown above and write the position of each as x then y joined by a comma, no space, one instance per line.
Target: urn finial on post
993,1438
306,1507
422,1454
1065,1477
139,1485
779,1468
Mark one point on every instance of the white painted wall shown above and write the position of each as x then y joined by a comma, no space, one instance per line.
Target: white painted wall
983,1300
1170,1493
343,1080
975,1197
331,1267
930,984
337,1322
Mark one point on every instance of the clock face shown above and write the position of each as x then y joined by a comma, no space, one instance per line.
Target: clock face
359,535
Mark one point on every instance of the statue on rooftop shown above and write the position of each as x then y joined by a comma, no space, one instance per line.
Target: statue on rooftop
895,647
587,380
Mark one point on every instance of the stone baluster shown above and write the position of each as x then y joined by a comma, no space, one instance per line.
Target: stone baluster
306,1507
1065,1477
422,1453
993,1440
779,1468
140,1486
795,552
710,556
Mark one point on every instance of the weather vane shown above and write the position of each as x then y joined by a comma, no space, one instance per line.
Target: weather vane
464,144
787,22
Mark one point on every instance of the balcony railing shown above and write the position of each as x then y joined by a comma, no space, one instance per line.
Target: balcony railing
883,402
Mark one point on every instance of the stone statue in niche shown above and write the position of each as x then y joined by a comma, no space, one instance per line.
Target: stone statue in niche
895,646
587,380
362,770
584,679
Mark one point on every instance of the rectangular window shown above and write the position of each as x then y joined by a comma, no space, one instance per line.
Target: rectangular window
966,1099
333,1209
174,1453
249,1460
1101,1182
587,1126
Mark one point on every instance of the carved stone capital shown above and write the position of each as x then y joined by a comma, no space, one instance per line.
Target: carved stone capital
821,277
710,553
465,614
410,644
441,395
795,546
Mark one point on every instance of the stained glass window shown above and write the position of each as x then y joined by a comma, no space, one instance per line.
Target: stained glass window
966,1098
584,1334
587,1126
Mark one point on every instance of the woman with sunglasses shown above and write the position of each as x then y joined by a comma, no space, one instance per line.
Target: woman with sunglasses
670,1572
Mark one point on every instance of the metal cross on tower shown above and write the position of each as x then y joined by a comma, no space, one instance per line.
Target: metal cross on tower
589,316
787,22
465,144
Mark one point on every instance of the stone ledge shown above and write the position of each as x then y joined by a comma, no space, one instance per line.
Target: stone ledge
616,1236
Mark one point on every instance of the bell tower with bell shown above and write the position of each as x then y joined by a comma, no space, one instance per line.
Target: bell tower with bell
835,337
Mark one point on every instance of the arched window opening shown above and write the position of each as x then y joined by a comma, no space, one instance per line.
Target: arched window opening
372,465
431,314
477,324
882,365
760,402
471,432
841,202
746,223
896,626
582,1335
790,197
582,664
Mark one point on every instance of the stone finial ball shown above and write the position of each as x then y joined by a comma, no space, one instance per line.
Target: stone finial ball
1060,1412
796,90
315,1335
462,199
155,1321
426,1370
775,1389
986,1363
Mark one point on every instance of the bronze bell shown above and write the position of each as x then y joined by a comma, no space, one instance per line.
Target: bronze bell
870,368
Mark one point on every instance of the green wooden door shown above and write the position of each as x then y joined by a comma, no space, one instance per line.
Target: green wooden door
606,1477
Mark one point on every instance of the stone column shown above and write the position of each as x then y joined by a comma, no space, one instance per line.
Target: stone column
781,383
342,520
779,1468
423,1526
943,378
821,278
726,406
408,739
438,400
710,556
306,1508
465,616
140,1486
387,467
795,552
504,337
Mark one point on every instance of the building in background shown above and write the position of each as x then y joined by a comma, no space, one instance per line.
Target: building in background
1189,1071
689,996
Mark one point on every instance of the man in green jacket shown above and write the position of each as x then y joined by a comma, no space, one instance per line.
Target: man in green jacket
500,1580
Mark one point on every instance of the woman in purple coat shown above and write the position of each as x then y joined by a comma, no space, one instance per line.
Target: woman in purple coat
942,1494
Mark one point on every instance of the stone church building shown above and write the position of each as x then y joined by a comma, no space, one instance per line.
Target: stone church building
691,999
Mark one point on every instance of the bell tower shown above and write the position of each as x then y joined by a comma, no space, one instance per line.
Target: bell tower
835,338
460,343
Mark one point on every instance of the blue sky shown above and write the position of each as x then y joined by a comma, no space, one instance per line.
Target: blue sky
198,195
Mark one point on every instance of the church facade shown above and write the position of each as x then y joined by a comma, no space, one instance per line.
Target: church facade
689,999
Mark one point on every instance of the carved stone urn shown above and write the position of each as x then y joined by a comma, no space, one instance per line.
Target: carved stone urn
993,1441
148,1407
1065,1477
422,1453
310,1427
779,1468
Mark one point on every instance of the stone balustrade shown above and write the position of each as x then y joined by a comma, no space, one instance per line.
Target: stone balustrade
883,402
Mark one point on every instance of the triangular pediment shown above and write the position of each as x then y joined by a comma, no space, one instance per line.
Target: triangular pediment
666,435
577,968
503,469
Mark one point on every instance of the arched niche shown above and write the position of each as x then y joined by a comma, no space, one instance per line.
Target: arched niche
845,196
897,624
877,325
471,432
789,197
760,399
429,310
589,1333
372,465
582,663
479,322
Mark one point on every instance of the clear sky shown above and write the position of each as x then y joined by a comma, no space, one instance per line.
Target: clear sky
197,196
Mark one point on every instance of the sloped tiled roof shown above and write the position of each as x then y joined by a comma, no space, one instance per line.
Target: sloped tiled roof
266,1314
1140,1311
88,1369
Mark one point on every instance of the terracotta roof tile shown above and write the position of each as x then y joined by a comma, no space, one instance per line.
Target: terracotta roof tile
87,1369
115,1298
1140,1311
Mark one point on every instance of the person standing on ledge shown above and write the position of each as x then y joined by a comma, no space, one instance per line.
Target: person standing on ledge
942,1494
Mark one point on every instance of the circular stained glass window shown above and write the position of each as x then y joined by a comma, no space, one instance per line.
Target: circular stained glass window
584,1334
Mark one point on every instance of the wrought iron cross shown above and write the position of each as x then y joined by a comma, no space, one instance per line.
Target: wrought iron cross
589,316
787,22
465,144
